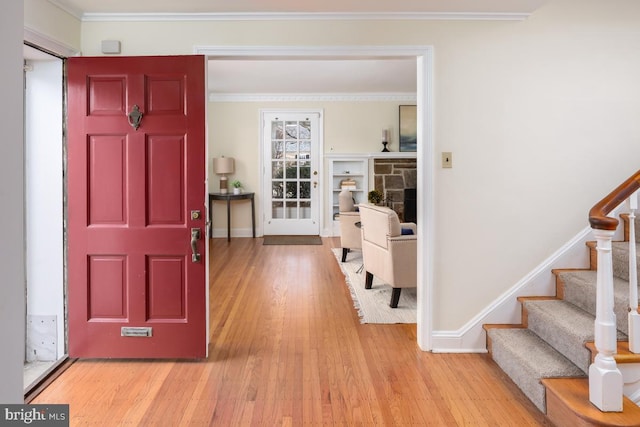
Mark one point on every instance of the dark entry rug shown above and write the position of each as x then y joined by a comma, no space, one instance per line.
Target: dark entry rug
292,240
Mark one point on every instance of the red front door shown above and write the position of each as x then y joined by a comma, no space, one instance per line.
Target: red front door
134,289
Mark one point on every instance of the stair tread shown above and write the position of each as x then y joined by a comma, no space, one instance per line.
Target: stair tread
572,406
565,327
532,349
567,316
526,358
589,277
620,257
625,219
580,290
623,354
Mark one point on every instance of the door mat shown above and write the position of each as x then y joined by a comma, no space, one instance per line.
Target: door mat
292,240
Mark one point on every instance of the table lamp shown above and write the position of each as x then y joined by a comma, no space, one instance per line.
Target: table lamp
223,166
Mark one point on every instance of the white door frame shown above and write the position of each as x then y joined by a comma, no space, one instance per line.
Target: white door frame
320,160
425,152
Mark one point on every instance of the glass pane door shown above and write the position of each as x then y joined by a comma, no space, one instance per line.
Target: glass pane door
293,183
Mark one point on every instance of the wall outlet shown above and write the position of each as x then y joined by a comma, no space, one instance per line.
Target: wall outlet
447,160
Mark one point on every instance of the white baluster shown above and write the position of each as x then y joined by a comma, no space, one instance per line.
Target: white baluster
605,379
634,316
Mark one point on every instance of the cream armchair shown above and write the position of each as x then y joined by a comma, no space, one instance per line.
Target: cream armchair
348,217
388,253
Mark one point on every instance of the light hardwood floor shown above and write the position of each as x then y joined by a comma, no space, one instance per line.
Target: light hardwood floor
287,349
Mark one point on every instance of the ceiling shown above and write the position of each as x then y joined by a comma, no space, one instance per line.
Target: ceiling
319,76
312,76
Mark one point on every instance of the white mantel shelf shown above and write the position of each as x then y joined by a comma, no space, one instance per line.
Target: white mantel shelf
374,155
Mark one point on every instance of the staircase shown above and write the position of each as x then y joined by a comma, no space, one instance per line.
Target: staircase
549,354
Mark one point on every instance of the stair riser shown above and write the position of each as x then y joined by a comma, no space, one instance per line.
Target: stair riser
551,341
620,259
569,345
620,256
625,221
582,293
526,380
526,359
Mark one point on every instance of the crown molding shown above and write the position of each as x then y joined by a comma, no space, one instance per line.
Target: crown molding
299,16
45,42
76,13
315,97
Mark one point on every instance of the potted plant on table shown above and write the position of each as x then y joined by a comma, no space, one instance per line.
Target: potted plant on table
237,186
375,197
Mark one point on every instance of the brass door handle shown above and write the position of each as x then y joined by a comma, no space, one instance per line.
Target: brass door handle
195,236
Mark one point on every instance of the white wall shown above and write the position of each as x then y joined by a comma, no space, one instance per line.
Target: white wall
12,213
50,23
541,117
234,131
44,217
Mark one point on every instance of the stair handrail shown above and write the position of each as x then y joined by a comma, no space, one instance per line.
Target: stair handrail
605,379
598,214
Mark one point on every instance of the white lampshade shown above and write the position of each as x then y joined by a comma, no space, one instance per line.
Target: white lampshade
223,165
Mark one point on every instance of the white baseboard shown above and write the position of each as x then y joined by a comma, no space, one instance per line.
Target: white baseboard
471,338
235,232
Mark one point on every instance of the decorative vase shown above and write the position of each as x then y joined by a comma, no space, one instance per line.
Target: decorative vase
237,191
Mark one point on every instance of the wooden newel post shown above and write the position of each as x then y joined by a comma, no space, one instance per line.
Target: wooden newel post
605,379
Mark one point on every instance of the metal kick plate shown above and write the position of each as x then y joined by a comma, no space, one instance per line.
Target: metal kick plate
130,331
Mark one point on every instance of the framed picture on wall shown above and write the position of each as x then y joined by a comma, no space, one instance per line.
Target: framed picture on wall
408,126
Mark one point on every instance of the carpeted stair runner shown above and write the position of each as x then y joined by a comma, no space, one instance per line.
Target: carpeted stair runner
552,344
527,358
620,255
580,290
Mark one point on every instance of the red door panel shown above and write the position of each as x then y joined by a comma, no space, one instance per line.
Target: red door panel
130,194
165,176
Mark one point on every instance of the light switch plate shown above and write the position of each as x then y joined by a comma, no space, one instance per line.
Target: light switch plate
447,159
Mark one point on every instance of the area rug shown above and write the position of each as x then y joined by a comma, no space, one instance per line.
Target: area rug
373,304
292,240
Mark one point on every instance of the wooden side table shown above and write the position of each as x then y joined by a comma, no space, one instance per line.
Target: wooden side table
229,197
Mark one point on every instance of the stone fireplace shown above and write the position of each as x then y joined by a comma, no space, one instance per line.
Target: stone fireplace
391,178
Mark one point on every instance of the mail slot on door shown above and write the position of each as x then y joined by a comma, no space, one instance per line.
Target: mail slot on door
129,331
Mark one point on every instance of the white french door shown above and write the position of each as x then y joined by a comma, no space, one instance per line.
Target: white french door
291,159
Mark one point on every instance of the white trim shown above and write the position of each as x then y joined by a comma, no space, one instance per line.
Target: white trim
425,212
631,377
316,52
45,42
425,155
220,233
304,16
314,97
506,309
320,165
374,155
